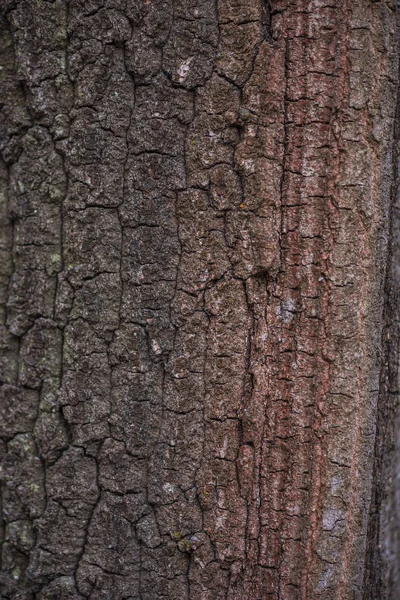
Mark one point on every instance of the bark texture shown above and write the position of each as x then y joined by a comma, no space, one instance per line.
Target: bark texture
195,206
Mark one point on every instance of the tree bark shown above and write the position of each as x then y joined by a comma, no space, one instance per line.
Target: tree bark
199,299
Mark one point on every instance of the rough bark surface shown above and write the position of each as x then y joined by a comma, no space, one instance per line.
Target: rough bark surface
195,210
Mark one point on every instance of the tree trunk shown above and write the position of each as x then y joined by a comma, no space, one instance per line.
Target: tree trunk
199,300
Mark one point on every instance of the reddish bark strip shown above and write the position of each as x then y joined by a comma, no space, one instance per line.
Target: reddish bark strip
195,207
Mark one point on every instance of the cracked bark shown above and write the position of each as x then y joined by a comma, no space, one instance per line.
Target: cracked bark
199,299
